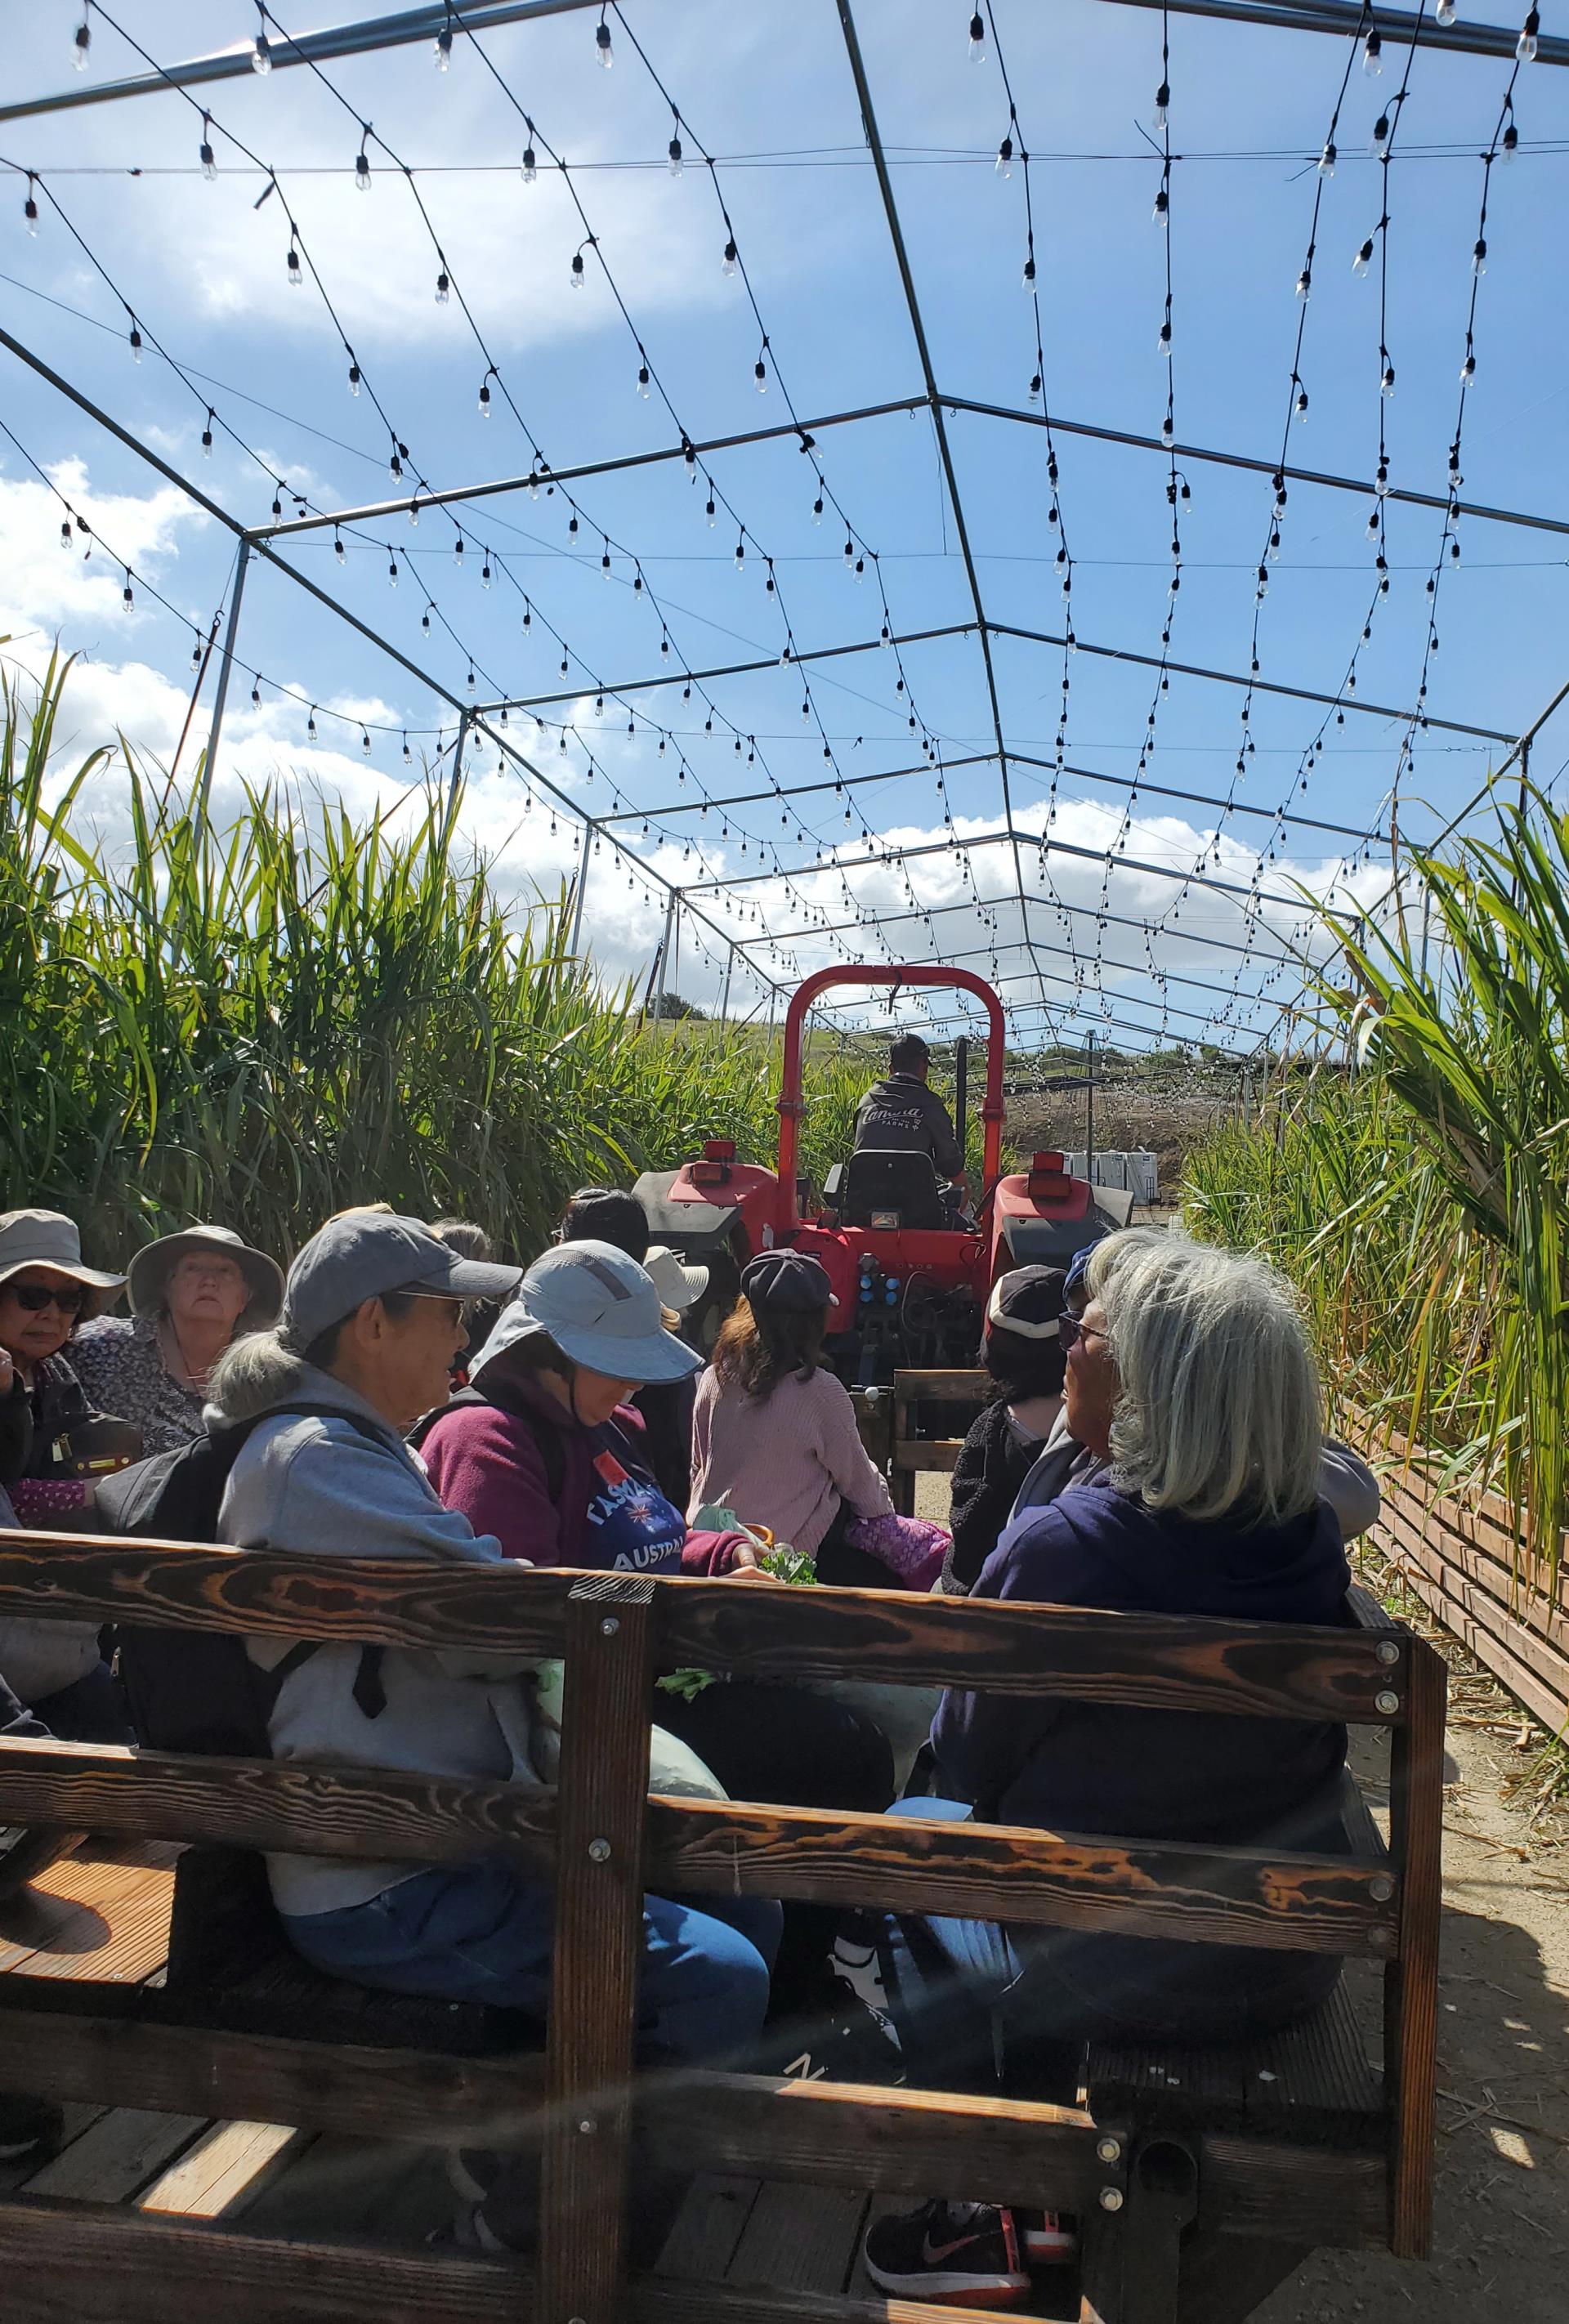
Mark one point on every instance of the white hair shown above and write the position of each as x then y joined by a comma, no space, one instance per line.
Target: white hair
1217,1415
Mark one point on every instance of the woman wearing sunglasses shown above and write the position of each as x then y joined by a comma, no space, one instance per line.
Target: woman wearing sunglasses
50,1442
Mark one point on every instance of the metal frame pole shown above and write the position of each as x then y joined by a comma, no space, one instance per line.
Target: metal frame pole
574,935
454,778
664,957
225,665
724,995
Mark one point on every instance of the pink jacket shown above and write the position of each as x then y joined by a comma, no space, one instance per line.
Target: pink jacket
785,1461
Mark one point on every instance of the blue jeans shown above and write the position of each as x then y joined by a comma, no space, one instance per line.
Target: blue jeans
482,1933
972,1998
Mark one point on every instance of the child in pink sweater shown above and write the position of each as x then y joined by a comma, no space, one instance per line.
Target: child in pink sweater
775,1435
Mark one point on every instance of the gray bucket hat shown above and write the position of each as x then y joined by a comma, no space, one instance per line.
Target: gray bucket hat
601,1309
49,1238
156,1262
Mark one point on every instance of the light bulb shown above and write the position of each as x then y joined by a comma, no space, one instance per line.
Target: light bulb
531,165
1382,478
577,275
602,50
674,149
1167,433
643,380
135,343
1381,136
127,598
1387,383
296,276
485,574
818,509
1005,158
1163,343
1525,46
1510,142
1364,258
1160,214
759,373
1479,256
1027,279
393,572
1445,12
458,552
441,54
207,438
1305,283
338,550
362,172
1374,55
709,510
209,167
29,209
83,42
1301,405
443,288
728,263
353,379
1326,160
977,39
485,399
1468,368
1162,102
260,55
740,556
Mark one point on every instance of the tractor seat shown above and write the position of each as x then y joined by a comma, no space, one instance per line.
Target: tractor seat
890,1183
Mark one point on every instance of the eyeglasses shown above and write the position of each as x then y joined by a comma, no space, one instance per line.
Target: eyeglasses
1071,1330
69,1298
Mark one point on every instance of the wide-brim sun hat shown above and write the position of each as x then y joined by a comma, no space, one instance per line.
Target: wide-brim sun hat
153,1266
49,1238
679,1286
601,1309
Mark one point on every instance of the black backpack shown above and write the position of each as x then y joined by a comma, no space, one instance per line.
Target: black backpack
198,1690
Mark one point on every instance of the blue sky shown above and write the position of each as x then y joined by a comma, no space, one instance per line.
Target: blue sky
767,90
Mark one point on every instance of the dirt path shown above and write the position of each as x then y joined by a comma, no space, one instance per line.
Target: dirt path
1501,2238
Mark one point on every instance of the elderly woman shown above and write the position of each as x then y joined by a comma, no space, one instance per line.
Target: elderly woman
1190,1376
190,1294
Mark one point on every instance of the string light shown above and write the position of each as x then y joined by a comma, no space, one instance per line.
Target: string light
29,205
361,166
977,39
1525,46
602,50
83,41
205,155
260,54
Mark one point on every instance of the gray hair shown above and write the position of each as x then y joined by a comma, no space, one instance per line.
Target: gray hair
1218,1413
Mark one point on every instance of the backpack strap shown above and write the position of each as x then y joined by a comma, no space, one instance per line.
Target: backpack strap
548,1439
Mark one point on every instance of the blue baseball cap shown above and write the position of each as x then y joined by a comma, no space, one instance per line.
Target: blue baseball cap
601,1309
1076,1265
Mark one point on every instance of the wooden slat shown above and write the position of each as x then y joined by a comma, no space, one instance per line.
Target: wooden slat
1295,2194
1463,1581
1411,1982
1259,1669
707,2227
121,2152
846,2134
340,1810
1489,1650
91,1920
222,2170
80,2264
598,1951
1295,1902
800,2238
395,2094
505,1610
1267,1670
942,1387
928,1452
655,2300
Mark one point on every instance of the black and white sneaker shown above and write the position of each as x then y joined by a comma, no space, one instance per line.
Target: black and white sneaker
965,2253
842,2038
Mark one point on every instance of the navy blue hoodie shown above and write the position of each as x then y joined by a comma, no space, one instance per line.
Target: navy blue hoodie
1153,1775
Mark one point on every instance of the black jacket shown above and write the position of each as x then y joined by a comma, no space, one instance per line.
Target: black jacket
903,1114
993,1463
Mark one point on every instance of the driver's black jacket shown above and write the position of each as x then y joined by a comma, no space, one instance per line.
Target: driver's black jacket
903,1114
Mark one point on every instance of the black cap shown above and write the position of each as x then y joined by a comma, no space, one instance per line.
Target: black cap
787,1282
1028,1301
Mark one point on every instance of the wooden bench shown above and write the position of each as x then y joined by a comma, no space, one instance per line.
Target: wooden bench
1180,2203
912,1453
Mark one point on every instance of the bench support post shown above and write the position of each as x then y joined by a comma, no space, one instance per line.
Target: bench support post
599,1891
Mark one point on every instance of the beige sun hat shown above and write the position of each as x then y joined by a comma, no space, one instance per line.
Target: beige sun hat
49,1238
679,1286
156,1262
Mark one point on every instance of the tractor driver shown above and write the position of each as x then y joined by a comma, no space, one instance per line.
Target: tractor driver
904,1113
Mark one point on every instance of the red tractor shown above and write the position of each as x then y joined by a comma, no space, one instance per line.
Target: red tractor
912,1286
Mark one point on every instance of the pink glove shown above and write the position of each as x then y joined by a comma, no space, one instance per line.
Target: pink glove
912,1547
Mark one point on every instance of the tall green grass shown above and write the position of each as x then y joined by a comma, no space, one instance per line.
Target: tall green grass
260,1025
1420,1193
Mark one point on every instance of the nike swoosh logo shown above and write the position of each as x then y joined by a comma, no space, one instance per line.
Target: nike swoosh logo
933,2254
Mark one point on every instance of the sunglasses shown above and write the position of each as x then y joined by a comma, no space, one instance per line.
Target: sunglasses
1070,1331
36,1297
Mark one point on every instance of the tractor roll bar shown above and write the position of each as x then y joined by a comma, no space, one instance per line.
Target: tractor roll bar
790,1105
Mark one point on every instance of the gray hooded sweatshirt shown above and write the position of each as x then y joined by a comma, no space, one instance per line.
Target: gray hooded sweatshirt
324,1487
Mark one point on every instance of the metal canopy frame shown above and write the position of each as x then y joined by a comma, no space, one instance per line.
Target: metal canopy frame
1340,18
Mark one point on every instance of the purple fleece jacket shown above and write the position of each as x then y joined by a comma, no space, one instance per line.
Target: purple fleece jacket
488,1463
1153,1775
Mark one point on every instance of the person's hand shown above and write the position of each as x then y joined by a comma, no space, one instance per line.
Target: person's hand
743,1565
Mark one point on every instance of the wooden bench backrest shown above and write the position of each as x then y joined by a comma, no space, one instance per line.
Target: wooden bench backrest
604,1842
